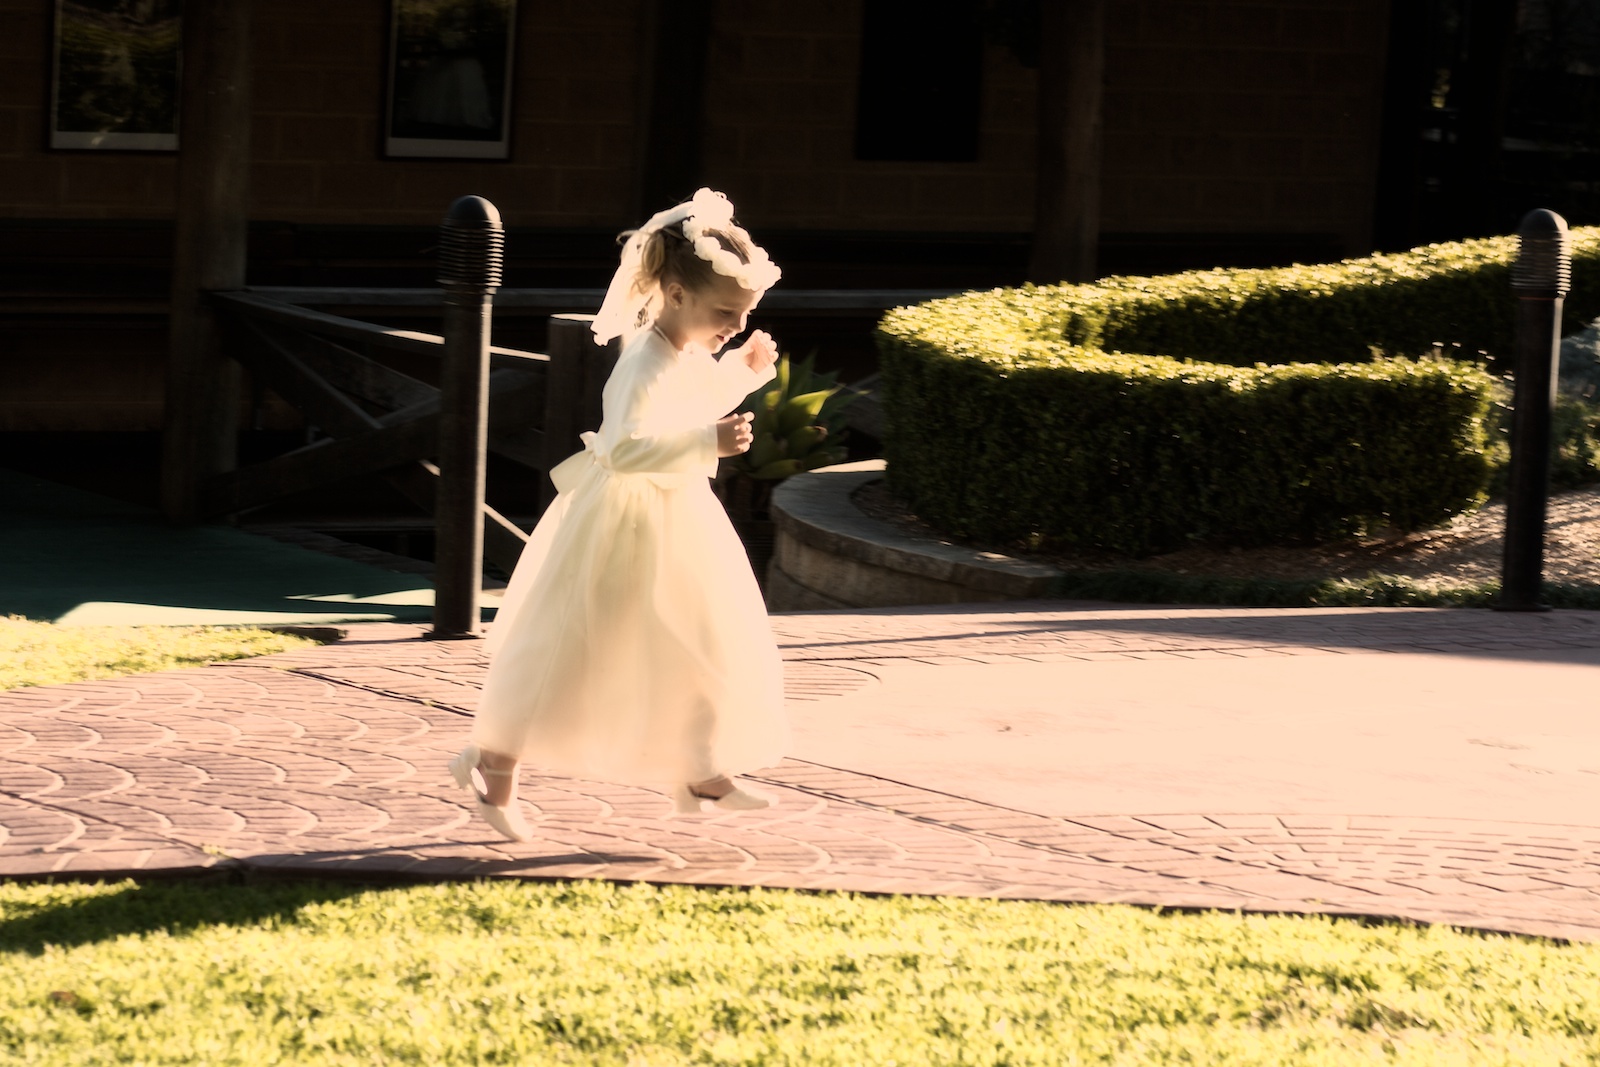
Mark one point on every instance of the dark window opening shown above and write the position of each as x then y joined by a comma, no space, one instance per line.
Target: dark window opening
921,89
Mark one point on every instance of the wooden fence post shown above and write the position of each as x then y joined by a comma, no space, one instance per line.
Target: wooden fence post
471,249
577,376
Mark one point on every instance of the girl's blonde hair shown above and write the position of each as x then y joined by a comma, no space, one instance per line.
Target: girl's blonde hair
669,256
692,244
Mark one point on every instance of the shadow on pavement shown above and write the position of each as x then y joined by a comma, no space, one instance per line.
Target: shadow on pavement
75,558
1551,637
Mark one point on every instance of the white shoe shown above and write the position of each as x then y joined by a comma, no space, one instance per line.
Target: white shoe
508,820
685,801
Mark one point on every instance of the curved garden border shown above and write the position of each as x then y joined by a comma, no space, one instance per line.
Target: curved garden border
828,555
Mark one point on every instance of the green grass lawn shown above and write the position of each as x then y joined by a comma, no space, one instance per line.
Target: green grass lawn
596,973
41,653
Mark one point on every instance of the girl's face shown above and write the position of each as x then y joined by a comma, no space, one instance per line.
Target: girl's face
710,317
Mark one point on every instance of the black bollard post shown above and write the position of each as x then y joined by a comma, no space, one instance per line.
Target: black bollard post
471,248
1541,278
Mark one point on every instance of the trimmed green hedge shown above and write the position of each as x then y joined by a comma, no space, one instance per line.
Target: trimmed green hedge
1453,296
1245,407
1054,445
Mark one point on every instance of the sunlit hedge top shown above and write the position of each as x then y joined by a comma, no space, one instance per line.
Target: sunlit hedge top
1456,296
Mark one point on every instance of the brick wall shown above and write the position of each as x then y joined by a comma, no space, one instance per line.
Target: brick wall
95,374
1233,116
319,83
780,132
319,97
1221,116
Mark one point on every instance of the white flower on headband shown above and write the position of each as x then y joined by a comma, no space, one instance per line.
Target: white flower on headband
713,211
708,208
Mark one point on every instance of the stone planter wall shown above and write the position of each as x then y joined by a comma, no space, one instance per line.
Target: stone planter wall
830,555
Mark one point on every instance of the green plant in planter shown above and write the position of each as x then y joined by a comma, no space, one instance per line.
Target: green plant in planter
798,426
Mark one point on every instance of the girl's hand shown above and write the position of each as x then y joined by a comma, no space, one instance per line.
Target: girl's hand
759,352
733,434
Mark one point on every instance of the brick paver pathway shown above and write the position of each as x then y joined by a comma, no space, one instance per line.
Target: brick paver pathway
331,761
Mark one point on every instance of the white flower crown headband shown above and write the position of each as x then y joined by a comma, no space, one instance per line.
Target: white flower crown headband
625,310
714,211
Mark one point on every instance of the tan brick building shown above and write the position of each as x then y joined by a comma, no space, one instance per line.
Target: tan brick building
1234,131
1220,116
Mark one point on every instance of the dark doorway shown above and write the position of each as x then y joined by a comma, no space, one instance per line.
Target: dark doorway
1492,108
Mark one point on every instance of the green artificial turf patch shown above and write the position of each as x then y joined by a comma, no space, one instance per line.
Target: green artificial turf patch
41,653
597,973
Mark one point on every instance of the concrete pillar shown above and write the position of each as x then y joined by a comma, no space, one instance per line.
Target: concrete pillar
200,425
1066,232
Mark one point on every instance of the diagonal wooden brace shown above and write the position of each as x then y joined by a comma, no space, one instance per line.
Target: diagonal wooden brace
398,439
503,540
275,364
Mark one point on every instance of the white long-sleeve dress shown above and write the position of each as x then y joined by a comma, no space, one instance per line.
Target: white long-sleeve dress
632,644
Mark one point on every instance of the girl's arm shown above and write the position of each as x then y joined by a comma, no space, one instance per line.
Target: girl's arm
745,369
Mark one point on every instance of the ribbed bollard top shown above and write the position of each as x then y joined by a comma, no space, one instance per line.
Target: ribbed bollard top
1544,255
471,246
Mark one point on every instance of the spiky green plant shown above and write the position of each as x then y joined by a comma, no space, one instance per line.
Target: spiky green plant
797,425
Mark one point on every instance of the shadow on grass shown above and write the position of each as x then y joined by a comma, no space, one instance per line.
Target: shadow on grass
266,888
176,907
407,866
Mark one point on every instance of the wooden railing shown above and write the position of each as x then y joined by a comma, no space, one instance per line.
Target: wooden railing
382,422
323,365
379,421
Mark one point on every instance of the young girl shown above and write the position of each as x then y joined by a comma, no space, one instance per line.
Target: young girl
632,644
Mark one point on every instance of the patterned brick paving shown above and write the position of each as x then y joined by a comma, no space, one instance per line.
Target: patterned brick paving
331,761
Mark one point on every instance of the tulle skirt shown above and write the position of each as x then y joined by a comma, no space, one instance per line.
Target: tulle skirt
633,645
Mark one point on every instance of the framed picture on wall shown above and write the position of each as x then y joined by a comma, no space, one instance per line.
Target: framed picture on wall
114,74
449,91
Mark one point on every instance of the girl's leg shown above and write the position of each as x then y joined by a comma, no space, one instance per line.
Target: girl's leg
499,774
712,788
721,792
710,784
705,778
492,778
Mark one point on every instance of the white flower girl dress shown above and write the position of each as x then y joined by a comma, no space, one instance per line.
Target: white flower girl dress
632,644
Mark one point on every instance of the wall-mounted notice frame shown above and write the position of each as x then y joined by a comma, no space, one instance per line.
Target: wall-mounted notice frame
115,74
449,79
